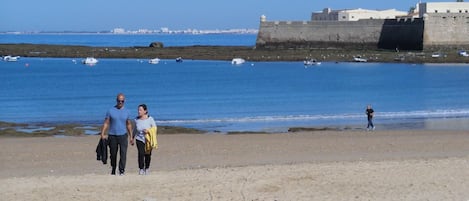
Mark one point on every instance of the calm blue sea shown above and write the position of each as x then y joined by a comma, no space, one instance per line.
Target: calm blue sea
215,95
130,40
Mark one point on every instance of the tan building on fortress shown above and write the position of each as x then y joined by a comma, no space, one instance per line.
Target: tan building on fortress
355,14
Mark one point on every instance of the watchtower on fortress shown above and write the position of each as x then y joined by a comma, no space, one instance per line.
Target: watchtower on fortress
446,24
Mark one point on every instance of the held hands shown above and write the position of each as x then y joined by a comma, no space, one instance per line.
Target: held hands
132,139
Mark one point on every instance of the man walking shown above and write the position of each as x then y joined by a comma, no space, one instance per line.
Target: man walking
118,122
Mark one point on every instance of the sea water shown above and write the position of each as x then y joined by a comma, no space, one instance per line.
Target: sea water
131,40
219,96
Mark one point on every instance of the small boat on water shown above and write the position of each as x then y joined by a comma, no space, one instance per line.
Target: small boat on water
463,53
237,61
359,59
90,61
311,62
154,61
10,58
436,55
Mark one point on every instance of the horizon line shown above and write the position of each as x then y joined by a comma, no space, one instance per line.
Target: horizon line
141,31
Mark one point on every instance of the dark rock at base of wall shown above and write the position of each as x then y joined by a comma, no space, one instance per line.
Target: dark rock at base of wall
445,48
316,45
156,45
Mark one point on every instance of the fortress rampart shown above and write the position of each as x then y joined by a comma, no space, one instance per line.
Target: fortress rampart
446,31
434,31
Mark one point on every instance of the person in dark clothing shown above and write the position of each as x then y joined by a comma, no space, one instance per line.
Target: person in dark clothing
370,113
118,121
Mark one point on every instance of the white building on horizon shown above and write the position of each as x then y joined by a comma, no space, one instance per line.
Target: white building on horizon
118,31
164,30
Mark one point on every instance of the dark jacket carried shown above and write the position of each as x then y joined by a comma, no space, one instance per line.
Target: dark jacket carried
101,150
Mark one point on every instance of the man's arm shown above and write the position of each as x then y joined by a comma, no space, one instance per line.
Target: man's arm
129,129
104,129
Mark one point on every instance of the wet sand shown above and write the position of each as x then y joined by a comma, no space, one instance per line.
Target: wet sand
319,165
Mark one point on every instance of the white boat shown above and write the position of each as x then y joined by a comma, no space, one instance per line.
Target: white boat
463,53
359,59
436,55
237,61
90,61
311,62
11,58
154,61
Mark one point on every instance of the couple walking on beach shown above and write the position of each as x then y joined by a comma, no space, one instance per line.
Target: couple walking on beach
119,123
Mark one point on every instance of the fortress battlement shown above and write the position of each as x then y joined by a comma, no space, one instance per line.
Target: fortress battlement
431,31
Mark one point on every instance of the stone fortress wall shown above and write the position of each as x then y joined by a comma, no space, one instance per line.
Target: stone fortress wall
370,33
446,31
432,31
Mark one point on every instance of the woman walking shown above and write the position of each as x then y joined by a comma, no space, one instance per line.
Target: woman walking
143,124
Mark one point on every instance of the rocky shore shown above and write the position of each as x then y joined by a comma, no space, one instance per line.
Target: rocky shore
10,129
249,53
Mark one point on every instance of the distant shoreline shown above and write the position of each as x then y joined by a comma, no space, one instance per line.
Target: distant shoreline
249,53
142,32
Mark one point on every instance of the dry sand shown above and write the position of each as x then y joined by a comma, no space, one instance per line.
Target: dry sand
326,165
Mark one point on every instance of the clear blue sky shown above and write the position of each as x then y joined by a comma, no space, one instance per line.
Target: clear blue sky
101,15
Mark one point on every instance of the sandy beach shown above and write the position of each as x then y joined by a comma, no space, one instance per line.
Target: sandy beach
321,165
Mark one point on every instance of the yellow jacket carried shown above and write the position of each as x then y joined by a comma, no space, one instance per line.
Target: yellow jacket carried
150,140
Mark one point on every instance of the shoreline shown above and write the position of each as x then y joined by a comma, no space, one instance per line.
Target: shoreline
249,53
11,129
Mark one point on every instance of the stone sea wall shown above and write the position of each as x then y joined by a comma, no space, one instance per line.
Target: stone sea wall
307,34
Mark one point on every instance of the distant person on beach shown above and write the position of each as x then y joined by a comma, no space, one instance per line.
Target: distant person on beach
370,113
119,123
144,125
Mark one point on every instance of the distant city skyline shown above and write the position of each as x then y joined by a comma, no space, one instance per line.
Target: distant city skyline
162,30
106,15
166,30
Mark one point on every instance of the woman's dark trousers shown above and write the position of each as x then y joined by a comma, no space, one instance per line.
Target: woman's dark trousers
143,159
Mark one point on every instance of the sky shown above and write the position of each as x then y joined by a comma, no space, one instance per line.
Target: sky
105,15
